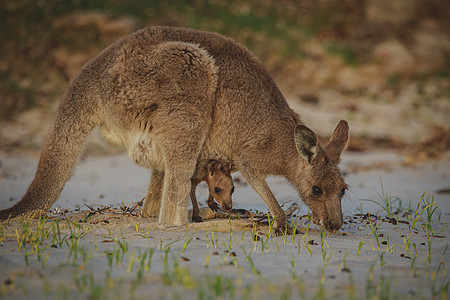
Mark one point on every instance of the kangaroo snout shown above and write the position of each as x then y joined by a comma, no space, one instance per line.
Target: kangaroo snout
334,219
333,224
328,214
225,198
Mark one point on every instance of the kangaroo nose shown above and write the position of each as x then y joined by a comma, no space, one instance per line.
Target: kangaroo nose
333,226
227,207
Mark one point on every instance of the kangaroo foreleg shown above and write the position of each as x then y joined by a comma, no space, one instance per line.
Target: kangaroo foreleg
259,184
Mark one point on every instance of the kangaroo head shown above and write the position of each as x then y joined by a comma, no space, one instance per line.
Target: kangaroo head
321,185
220,183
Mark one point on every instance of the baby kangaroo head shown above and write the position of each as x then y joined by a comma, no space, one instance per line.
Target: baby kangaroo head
322,185
220,183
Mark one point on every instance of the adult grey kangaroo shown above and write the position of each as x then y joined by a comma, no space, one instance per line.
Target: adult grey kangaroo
176,98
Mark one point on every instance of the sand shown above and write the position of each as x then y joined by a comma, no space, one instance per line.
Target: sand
108,254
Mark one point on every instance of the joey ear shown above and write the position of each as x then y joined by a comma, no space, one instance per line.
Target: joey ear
338,141
227,167
306,142
212,167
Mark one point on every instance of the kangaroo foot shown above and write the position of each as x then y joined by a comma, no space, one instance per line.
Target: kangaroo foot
197,219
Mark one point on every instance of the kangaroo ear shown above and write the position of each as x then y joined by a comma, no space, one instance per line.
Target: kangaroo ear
213,166
306,142
338,142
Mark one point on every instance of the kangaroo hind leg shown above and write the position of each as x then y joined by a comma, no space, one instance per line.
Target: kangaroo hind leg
177,186
181,151
152,204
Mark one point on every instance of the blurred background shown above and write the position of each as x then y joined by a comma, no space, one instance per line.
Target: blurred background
383,65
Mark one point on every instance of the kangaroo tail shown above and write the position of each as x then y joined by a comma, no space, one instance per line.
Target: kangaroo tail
76,117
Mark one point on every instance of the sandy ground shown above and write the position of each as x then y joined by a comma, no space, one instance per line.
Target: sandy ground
125,257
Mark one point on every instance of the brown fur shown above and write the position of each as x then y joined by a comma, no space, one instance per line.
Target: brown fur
220,187
176,98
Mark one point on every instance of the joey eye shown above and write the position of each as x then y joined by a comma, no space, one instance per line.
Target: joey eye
217,190
342,192
232,190
317,191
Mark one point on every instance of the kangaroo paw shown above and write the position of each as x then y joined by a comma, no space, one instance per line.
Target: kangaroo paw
285,230
214,206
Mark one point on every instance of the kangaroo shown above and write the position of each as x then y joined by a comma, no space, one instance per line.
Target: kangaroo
176,98
220,186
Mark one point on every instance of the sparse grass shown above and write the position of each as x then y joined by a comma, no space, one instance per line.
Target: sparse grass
214,241
429,235
87,284
249,259
231,235
31,233
131,268
264,245
167,246
306,242
254,235
407,245
428,203
187,241
322,248
374,228
381,290
294,274
271,223
390,205
57,238
294,229
389,247
308,248
382,261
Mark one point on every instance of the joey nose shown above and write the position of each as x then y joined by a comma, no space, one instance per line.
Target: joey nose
227,207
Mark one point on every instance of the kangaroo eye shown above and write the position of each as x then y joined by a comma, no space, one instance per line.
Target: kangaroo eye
217,190
317,191
342,192
232,190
